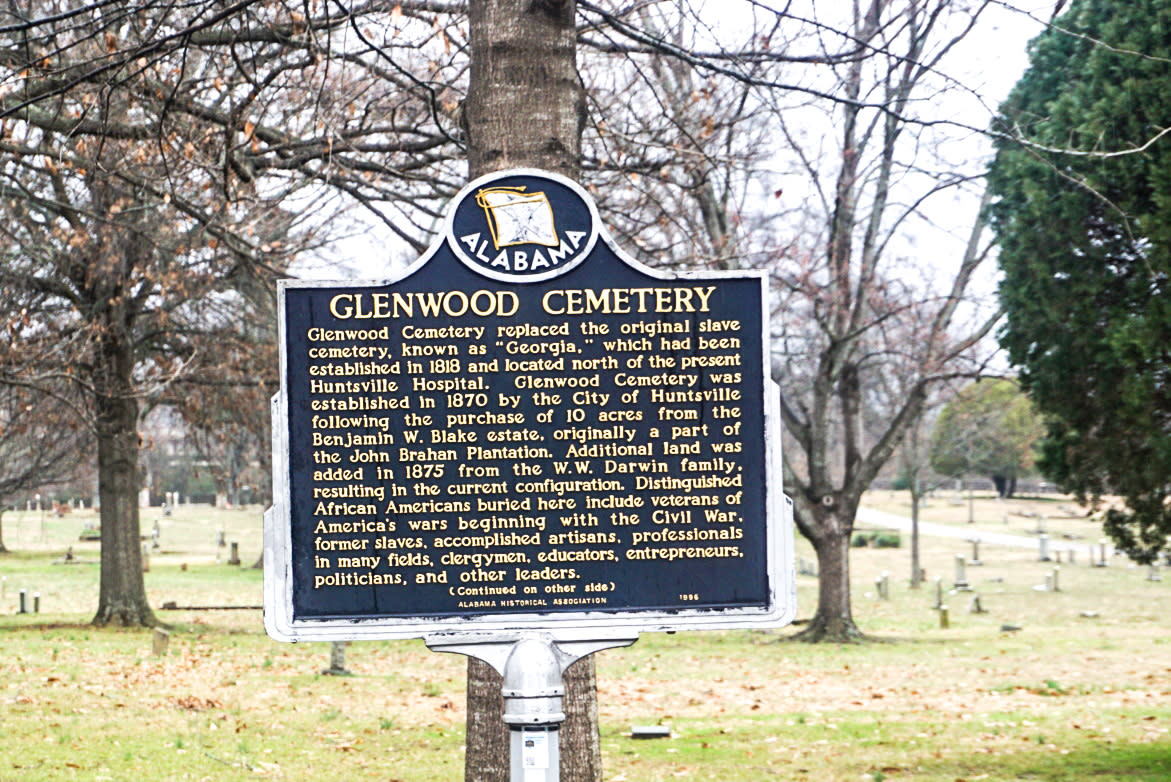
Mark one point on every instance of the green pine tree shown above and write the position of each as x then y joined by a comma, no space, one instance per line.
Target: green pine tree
1083,218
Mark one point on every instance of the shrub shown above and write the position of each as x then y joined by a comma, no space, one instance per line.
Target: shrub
876,539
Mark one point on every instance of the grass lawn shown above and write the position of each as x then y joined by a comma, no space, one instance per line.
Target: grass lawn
1081,691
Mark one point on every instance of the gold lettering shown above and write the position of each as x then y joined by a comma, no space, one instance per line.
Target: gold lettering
624,301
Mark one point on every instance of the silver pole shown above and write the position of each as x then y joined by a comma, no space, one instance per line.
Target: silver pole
532,690
533,666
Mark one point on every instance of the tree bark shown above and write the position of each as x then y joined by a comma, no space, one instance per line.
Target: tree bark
525,105
487,753
1005,486
581,748
122,591
916,563
526,108
834,619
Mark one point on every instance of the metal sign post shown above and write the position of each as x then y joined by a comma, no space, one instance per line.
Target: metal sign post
532,666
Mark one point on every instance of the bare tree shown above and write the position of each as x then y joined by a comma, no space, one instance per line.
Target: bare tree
846,310
914,467
842,102
220,407
42,441
120,224
680,144
146,153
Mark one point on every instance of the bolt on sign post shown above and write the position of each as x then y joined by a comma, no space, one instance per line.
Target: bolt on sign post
527,448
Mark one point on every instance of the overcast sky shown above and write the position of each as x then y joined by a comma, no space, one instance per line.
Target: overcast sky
987,63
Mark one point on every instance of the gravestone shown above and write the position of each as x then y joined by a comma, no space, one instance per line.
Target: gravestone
650,732
961,579
882,586
160,642
337,659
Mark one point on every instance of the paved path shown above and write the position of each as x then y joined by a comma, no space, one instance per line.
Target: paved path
903,524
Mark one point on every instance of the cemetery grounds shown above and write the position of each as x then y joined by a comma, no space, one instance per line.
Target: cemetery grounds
1048,685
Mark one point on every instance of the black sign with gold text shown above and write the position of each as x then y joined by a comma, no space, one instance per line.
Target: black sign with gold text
526,424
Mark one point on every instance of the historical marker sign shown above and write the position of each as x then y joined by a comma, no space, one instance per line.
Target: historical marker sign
527,430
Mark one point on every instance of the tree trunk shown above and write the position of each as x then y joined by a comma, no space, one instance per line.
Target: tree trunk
834,619
916,564
487,753
526,108
122,591
1001,484
581,748
525,104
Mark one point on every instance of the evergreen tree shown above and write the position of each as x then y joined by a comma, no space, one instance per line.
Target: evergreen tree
1083,217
